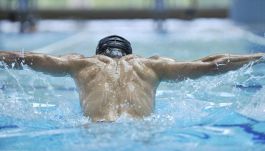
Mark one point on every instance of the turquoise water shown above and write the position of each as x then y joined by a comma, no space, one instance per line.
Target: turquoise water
224,112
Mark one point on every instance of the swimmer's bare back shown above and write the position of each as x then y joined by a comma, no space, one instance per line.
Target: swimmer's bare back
109,88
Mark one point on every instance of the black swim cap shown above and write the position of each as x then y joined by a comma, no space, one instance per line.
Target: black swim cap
114,46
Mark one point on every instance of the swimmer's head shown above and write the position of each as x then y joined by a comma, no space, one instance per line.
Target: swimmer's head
114,46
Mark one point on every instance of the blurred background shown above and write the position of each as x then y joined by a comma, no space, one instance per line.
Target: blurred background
27,12
75,25
224,112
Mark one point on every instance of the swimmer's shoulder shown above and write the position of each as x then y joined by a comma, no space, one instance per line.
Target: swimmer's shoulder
73,56
157,61
154,58
131,57
159,58
76,59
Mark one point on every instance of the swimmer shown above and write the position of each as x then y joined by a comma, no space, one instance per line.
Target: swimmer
115,82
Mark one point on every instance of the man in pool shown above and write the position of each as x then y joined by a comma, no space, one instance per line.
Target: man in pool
115,82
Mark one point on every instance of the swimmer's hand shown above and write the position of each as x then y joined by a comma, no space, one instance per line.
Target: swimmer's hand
11,59
263,57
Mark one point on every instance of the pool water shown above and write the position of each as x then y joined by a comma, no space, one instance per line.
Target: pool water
223,112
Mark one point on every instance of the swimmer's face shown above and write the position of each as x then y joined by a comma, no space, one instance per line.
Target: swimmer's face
114,46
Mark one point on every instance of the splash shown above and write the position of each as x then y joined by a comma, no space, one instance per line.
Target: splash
193,101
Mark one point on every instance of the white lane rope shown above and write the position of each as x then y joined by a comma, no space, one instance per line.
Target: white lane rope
82,36
63,44
255,39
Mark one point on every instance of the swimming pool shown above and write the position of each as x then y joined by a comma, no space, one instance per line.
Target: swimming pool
224,112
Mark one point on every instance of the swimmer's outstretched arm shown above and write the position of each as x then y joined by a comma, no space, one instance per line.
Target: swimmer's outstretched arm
169,69
58,66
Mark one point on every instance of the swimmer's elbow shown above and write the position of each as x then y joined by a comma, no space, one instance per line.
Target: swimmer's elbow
203,69
55,66
222,68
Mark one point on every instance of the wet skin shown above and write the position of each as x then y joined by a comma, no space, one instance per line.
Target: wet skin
109,87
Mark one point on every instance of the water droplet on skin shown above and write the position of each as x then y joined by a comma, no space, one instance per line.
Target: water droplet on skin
217,66
228,58
131,87
22,53
13,65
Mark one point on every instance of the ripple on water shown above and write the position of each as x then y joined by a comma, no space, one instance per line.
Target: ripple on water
209,112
